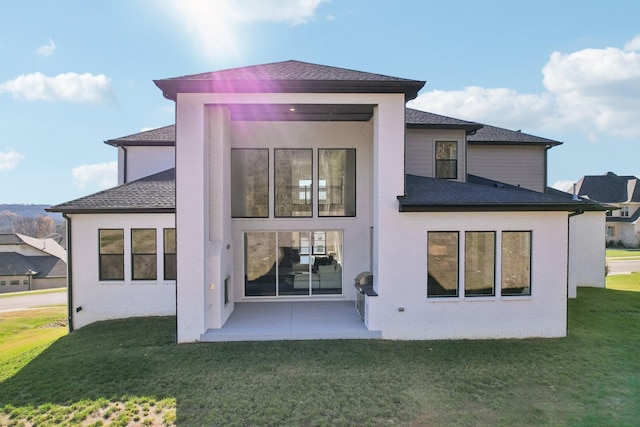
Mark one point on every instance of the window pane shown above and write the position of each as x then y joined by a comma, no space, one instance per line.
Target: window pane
111,253
294,271
293,183
250,183
479,263
442,264
170,254
143,254
337,182
446,159
327,264
516,263
260,264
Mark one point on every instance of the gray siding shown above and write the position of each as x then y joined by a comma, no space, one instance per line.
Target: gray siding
420,151
512,164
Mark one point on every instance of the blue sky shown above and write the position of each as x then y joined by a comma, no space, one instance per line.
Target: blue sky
75,73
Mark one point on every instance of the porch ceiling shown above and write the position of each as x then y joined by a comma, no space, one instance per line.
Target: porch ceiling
301,112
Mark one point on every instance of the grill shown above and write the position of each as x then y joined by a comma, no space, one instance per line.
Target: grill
364,286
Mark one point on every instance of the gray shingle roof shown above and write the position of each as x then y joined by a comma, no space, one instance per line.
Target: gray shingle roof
15,264
480,194
288,76
9,239
492,135
165,135
155,193
610,188
423,119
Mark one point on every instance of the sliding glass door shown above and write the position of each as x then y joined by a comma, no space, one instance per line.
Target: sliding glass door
293,263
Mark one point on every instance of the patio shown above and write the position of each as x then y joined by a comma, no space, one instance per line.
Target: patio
312,320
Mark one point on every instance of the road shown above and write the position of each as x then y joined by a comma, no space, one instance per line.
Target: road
622,266
25,301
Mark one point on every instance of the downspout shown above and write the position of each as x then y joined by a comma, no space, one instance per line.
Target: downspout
124,164
69,275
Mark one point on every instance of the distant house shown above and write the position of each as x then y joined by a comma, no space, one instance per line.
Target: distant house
28,263
622,192
279,184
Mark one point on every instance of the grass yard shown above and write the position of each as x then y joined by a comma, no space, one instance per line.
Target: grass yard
130,372
623,253
624,282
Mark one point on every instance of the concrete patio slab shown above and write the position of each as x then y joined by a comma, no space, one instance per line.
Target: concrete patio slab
306,320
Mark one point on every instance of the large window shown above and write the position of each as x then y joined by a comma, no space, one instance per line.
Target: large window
250,183
337,182
447,159
143,254
293,183
442,264
111,254
516,263
169,244
479,263
293,263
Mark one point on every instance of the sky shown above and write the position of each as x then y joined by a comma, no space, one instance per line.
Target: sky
75,73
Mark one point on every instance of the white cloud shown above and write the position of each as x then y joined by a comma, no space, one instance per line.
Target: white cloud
212,25
9,160
69,87
47,49
100,175
593,91
634,44
564,185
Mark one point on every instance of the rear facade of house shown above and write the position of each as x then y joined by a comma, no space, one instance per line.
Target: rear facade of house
282,183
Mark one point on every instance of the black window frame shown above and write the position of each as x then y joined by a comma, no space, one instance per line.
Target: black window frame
529,288
451,163
432,282
144,255
103,256
169,258
235,190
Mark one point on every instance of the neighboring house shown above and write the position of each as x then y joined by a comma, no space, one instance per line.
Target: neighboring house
28,263
282,183
622,193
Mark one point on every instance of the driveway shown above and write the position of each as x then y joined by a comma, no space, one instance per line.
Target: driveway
621,266
26,300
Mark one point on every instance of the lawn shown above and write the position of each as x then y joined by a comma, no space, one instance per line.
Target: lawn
623,253
624,282
130,372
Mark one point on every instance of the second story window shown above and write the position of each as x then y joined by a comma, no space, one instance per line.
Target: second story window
293,183
624,211
447,159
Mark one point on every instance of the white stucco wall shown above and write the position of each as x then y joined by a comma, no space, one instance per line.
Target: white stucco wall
103,300
402,280
144,161
587,254
314,135
204,255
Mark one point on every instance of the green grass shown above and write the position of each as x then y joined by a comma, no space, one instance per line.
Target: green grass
624,282
130,371
43,291
623,253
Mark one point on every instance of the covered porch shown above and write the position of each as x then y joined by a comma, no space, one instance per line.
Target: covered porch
305,320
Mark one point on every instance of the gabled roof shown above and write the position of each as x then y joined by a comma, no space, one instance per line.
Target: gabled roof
416,119
288,76
495,135
152,194
165,135
610,188
15,264
481,194
46,245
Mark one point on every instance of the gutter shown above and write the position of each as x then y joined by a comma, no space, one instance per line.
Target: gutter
69,275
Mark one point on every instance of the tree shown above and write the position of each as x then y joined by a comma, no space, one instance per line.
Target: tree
40,226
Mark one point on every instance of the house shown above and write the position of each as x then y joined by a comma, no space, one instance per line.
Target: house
279,184
623,193
28,263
